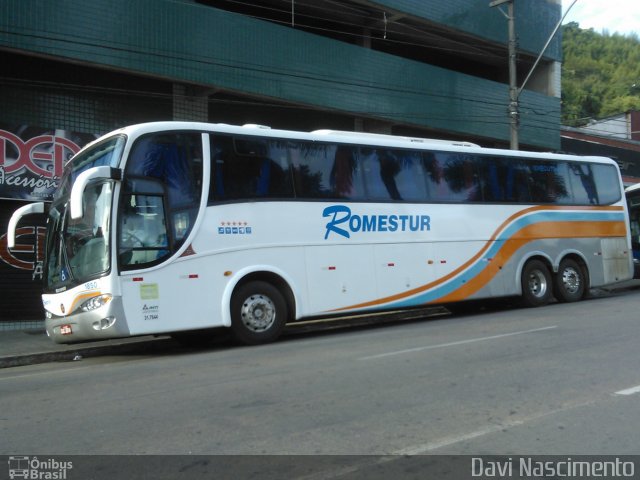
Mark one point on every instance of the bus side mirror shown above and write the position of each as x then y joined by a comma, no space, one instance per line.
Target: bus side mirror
77,191
15,218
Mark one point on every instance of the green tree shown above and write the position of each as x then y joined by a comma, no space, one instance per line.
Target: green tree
600,74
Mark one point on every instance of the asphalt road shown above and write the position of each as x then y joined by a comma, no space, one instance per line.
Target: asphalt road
562,379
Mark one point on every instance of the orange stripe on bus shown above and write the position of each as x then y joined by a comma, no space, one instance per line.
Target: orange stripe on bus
528,234
537,231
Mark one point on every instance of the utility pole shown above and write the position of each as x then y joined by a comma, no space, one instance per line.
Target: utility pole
514,114
514,91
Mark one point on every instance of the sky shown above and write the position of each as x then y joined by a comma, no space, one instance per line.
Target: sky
621,16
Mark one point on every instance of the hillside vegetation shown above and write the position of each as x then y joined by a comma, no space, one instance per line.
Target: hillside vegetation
600,74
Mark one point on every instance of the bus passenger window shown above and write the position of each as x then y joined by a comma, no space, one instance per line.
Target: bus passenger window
502,180
459,172
248,169
164,184
549,182
344,174
312,166
607,183
409,178
582,184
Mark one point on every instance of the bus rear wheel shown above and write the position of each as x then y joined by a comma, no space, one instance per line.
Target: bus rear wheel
570,282
536,284
258,313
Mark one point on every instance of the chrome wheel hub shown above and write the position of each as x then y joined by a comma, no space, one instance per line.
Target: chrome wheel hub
258,313
571,280
537,284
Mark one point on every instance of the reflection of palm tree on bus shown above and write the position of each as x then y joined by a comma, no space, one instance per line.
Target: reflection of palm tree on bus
585,174
460,175
505,181
342,172
390,166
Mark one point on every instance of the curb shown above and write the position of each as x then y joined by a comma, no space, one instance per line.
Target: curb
140,346
156,344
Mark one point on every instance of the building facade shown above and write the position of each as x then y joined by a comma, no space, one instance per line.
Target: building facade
624,126
76,69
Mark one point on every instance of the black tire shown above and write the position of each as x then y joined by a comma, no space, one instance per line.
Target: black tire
536,284
258,313
570,282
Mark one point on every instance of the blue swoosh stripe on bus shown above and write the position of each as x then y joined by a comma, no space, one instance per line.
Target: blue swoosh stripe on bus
480,264
564,216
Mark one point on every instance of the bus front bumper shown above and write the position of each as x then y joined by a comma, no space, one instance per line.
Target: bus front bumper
102,323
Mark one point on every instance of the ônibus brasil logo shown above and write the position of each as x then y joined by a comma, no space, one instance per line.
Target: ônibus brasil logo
38,469
343,222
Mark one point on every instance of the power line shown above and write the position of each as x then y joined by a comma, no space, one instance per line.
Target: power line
75,46
291,74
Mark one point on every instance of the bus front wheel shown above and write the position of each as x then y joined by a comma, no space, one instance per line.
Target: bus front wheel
536,284
258,313
569,285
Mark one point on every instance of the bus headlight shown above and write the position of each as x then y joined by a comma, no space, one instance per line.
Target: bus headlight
96,302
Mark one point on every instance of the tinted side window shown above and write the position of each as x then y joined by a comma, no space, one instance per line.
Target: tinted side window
460,175
312,164
393,174
379,169
323,170
435,184
347,174
176,160
504,180
548,182
607,183
582,183
246,168
311,169
161,197
250,168
411,176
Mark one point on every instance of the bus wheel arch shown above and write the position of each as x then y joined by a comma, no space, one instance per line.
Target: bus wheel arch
536,281
260,306
571,281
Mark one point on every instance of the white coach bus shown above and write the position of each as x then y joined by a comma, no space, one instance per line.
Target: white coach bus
173,227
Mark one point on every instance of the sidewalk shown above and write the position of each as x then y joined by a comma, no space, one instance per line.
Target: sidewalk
28,347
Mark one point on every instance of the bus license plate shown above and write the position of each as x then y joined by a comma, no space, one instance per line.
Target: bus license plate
66,330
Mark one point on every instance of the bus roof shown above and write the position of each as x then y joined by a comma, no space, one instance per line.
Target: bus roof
346,137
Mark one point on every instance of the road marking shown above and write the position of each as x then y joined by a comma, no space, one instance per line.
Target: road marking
629,391
373,460
452,344
426,448
446,442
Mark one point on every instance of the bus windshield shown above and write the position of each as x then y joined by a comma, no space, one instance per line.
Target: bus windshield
106,153
79,250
